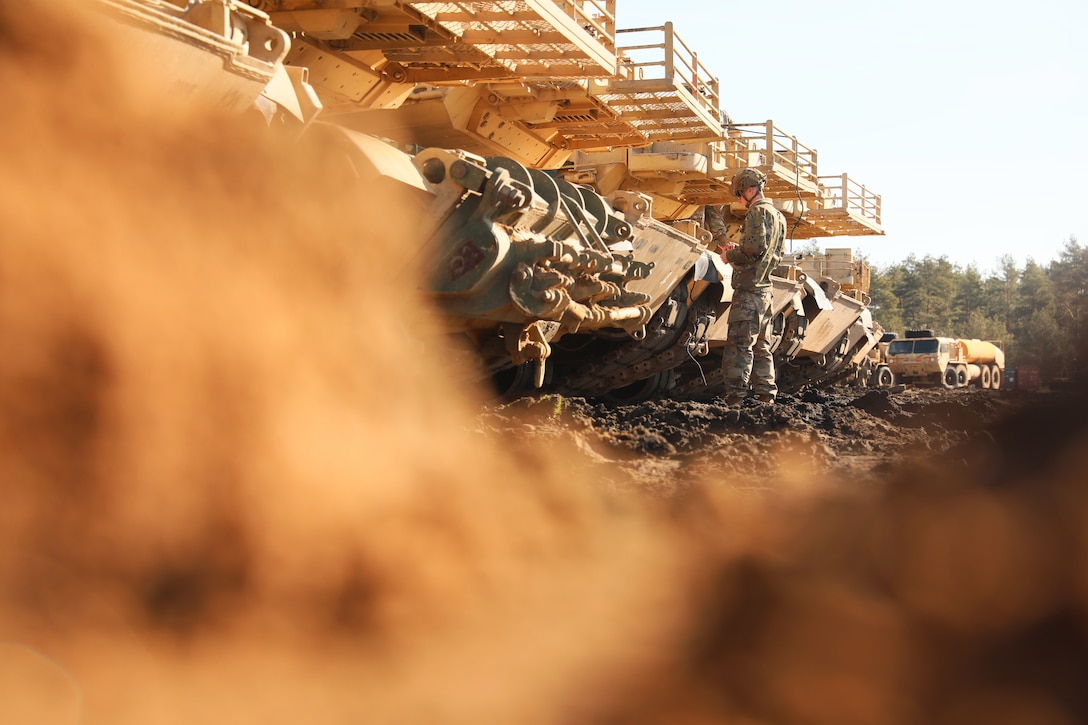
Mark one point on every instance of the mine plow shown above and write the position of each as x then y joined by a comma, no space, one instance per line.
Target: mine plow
562,165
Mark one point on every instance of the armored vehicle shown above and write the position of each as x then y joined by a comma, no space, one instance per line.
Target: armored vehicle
564,164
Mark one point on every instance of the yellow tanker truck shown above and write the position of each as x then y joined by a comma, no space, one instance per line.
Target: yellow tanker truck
924,359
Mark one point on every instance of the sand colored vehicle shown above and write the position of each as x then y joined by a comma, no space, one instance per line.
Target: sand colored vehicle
921,358
558,165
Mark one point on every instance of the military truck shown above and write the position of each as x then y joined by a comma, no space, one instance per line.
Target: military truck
922,358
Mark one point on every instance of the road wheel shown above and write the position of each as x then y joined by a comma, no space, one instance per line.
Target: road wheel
642,390
995,377
512,383
961,376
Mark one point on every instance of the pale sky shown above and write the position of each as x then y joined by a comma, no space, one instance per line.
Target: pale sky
969,118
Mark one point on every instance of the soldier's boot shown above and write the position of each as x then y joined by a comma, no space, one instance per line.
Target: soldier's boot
765,398
734,400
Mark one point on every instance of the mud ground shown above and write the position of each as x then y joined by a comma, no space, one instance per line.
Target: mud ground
856,436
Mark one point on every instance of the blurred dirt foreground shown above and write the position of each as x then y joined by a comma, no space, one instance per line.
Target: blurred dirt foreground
241,485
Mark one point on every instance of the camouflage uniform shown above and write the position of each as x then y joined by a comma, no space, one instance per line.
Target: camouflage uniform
747,354
714,221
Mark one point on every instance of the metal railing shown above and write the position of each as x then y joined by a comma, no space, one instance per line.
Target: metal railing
596,18
767,146
658,53
539,38
842,193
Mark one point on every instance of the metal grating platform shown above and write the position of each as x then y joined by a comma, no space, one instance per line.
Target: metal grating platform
516,39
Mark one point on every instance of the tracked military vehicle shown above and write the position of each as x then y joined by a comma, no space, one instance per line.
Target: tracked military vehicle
564,163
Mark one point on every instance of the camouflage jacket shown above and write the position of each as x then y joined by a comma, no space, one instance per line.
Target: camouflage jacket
761,247
714,221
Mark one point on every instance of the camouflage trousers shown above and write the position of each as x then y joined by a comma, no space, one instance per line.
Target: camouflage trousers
747,355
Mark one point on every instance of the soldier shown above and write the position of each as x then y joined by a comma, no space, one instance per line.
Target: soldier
747,346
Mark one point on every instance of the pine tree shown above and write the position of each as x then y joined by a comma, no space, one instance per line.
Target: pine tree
1039,339
1001,296
969,301
884,303
925,289
1069,275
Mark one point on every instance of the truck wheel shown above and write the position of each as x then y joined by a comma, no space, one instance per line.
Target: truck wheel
961,376
950,377
884,377
995,378
984,377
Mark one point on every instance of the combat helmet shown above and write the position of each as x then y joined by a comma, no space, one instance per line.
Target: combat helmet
746,178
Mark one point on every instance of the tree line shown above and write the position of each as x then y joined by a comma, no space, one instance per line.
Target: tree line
1037,311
